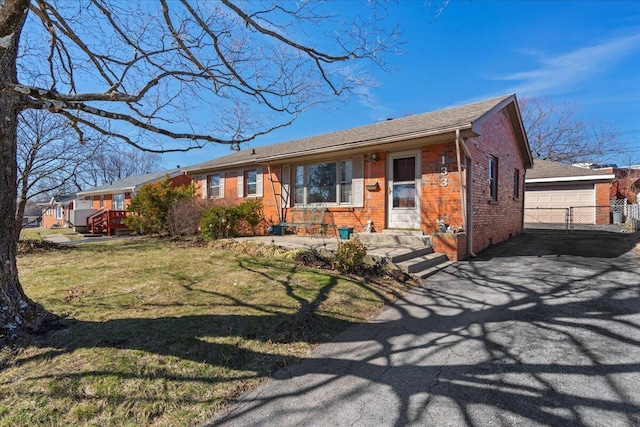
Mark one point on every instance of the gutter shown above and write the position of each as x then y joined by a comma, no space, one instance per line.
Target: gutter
570,178
107,191
463,186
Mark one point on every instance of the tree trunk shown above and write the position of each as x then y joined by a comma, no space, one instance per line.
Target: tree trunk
18,314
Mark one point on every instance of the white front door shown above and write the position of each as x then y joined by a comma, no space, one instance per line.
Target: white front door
403,201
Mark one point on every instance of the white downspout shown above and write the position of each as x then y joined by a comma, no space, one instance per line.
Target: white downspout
463,193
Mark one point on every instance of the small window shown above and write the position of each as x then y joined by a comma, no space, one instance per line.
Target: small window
516,183
213,192
58,212
251,183
101,201
118,202
493,177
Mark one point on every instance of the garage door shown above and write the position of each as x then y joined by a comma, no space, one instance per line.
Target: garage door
549,204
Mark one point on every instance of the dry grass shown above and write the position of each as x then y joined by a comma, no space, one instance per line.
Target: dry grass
166,333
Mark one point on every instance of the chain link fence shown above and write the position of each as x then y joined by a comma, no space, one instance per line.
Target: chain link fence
615,218
546,218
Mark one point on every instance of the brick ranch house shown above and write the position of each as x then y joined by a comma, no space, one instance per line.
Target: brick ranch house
101,209
464,165
57,212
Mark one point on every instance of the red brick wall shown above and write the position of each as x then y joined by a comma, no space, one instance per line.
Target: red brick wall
440,188
454,246
49,217
108,198
108,201
496,221
270,203
602,199
374,201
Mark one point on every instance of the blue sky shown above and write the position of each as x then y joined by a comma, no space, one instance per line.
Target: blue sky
587,52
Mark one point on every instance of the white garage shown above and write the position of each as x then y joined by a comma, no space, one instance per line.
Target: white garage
553,190
550,204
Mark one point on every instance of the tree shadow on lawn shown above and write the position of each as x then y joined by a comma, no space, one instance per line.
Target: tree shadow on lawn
490,342
553,341
193,337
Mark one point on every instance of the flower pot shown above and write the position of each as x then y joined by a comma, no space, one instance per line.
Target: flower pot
345,232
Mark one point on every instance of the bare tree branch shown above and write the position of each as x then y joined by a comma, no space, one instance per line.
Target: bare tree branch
556,133
162,77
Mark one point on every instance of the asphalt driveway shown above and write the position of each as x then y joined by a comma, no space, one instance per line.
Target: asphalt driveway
542,330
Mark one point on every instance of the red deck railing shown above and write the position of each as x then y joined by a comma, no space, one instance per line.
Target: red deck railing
106,221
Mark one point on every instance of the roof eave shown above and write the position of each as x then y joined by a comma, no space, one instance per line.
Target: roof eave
105,191
570,178
341,147
129,188
510,104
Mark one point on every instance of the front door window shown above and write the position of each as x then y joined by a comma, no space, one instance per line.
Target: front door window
404,182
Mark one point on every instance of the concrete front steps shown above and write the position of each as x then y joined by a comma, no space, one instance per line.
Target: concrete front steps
408,251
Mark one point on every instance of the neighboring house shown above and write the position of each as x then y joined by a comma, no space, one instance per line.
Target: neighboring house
117,195
57,212
463,165
32,214
552,188
627,183
111,200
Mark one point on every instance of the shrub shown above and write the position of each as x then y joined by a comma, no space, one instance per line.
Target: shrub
184,216
151,206
349,256
228,221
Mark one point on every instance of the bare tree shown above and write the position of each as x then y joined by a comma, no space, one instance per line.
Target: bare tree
166,76
111,163
48,155
556,133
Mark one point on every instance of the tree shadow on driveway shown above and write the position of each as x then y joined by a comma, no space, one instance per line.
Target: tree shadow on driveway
591,244
519,336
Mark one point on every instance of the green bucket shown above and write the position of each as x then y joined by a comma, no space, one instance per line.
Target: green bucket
345,232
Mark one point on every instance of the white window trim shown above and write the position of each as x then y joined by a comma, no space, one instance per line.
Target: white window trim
242,184
220,186
247,183
357,183
113,202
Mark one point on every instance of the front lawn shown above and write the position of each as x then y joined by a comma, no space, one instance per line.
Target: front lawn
168,333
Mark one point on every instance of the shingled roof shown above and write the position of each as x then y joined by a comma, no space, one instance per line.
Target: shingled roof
443,121
130,183
547,169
